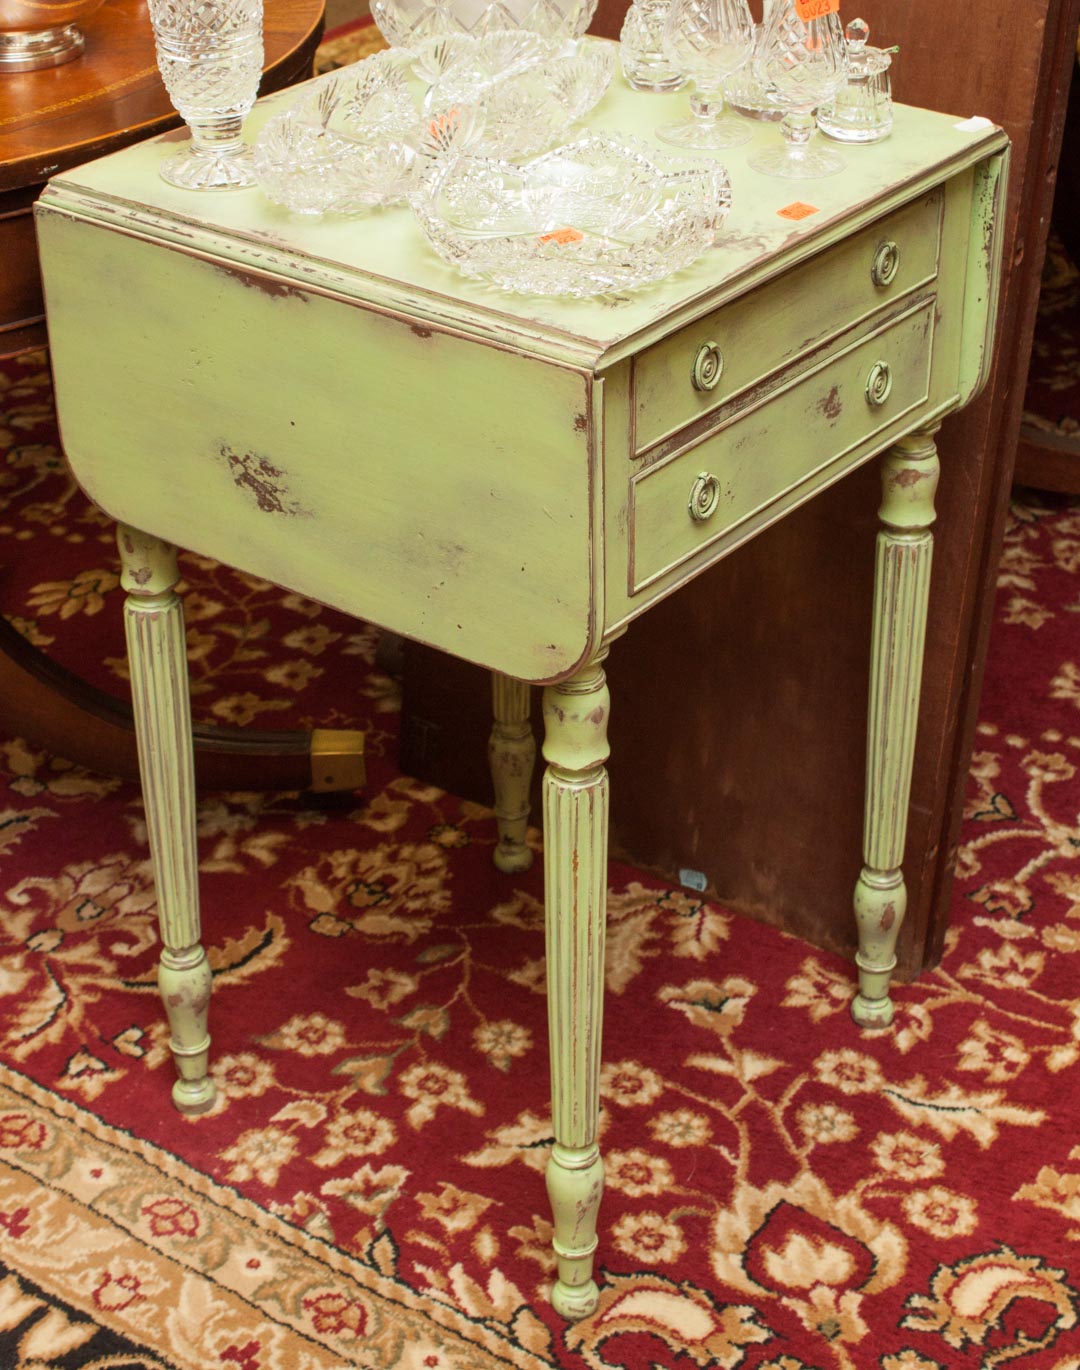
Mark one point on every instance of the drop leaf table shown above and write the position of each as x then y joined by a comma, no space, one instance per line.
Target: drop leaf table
324,404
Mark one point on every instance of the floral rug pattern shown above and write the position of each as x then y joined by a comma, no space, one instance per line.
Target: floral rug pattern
782,1193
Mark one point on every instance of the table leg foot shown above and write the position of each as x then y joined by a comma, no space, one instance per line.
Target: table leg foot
880,904
901,597
154,623
575,1183
184,981
512,756
575,880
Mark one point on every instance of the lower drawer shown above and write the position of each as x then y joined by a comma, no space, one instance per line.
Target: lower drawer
765,453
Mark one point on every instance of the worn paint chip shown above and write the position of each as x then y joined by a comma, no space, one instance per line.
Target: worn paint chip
263,482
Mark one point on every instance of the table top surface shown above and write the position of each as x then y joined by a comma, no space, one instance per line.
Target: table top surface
381,258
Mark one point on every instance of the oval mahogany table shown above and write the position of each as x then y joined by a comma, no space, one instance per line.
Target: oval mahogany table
50,120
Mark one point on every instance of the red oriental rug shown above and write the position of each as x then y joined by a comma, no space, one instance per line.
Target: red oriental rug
783,1193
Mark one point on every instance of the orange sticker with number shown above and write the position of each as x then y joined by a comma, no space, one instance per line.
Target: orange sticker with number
562,236
815,9
797,210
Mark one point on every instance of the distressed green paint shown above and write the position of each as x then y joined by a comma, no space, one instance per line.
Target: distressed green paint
368,462
909,477
326,405
511,756
983,281
809,306
575,793
154,622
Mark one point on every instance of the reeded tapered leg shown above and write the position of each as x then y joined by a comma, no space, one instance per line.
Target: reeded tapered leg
154,621
575,878
901,593
512,755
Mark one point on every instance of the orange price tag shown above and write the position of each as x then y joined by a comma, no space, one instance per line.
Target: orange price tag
562,236
797,210
815,9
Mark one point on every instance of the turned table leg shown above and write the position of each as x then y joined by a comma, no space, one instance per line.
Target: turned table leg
511,755
901,593
154,622
575,878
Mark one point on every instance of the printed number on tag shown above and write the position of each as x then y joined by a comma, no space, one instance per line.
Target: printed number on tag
562,236
815,9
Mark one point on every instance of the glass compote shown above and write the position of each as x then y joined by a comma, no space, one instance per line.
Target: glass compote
802,63
708,40
210,55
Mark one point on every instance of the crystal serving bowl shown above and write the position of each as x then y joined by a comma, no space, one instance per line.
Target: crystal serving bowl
408,23
354,140
600,215
358,138
531,89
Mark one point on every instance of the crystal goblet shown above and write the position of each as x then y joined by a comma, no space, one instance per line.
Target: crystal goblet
802,63
210,55
708,40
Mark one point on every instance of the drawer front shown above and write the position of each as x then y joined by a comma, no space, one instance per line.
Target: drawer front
778,451
708,362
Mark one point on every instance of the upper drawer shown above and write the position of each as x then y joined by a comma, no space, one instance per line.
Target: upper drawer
772,455
706,363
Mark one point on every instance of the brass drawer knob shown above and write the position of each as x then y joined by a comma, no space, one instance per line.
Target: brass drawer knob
704,497
886,263
878,383
708,367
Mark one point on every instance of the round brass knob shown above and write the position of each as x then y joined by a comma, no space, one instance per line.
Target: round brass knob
886,263
708,367
704,497
878,383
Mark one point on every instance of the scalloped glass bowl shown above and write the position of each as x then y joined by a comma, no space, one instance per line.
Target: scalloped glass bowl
345,145
602,215
531,89
409,23
357,139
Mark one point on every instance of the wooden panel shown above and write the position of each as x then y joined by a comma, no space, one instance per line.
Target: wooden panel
738,705
20,284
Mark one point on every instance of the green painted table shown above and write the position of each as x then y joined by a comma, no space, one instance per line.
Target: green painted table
326,405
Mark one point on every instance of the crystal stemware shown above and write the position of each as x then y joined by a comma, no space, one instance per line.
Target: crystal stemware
801,60
708,40
210,55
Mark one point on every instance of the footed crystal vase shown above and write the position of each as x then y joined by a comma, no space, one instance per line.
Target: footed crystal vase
800,59
210,55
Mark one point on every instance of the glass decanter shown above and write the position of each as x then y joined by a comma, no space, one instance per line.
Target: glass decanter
210,55
708,40
801,60
641,48
861,110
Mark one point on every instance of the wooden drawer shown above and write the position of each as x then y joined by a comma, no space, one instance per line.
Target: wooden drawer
784,319
769,455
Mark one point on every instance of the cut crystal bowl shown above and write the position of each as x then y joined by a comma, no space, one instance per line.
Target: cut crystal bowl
408,23
601,215
354,140
359,137
531,89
